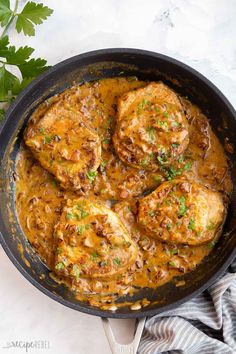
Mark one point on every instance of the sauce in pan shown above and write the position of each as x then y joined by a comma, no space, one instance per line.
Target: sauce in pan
120,184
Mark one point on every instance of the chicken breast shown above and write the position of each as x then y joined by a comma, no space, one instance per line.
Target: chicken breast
152,129
182,212
65,146
91,241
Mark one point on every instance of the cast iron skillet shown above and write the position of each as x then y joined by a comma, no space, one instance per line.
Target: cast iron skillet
92,66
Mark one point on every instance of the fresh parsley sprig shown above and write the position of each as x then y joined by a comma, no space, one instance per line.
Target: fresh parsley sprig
24,21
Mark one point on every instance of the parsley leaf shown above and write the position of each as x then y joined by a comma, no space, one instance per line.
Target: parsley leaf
7,81
33,67
182,206
5,12
117,261
32,14
13,56
191,225
91,175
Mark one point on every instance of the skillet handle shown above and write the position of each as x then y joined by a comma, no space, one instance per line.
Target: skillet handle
118,348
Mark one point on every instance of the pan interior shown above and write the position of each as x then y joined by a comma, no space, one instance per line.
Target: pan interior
104,64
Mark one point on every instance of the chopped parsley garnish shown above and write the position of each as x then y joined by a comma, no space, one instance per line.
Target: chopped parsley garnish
144,162
151,131
41,130
106,141
211,244
191,225
143,104
47,139
166,114
175,145
81,228
151,213
160,160
176,124
82,213
169,226
210,226
172,264
162,124
69,216
182,206
76,271
59,266
91,175
117,261
157,178
94,256
187,166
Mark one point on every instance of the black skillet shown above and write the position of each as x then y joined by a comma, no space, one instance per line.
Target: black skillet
93,66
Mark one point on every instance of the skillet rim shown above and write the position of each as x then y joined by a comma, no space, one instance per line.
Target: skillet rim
77,306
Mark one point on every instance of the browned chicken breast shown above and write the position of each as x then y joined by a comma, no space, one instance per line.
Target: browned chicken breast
91,241
151,127
182,212
65,146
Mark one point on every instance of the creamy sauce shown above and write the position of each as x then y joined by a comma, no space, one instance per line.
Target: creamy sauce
39,198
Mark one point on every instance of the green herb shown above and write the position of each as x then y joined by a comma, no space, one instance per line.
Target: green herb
181,159
166,114
169,226
106,141
47,139
94,256
32,14
117,261
175,145
103,165
143,104
76,271
211,244
151,213
187,166
41,130
182,206
82,213
160,160
176,124
54,182
151,134
157,178
210,226
174,251
92,175
191,225
69,216
144,162
172,264
167,202
162,124
60,266
81,228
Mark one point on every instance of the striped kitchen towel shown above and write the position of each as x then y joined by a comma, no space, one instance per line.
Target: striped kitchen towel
206,324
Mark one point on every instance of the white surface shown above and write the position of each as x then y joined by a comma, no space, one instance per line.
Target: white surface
199,33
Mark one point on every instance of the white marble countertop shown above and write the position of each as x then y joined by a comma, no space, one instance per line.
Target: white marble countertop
199,33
